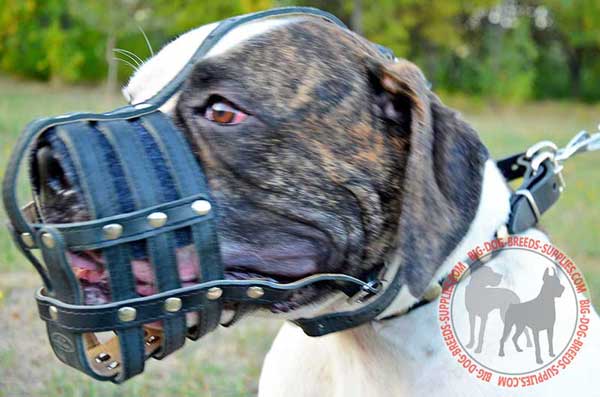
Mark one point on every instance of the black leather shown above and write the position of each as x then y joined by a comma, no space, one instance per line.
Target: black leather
543,185
82,318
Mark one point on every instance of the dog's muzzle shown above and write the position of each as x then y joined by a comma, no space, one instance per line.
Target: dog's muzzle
145,196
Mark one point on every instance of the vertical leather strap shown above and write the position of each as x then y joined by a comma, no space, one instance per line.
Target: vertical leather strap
144,183
102,201
190,180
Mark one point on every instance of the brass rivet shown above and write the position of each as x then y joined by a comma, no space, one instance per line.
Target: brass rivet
48,240
214,293
255,292
201,207
102,357
157,219
112,231
27,239
113,365
173,305
127,314
53,312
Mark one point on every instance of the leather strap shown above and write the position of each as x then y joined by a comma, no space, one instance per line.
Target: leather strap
98,318
190,180
143,182
103,201
539,191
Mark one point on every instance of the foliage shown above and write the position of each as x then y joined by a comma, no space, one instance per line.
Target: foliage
43,41
508,49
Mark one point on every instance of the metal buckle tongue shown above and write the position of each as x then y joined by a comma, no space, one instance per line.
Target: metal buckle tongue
368,290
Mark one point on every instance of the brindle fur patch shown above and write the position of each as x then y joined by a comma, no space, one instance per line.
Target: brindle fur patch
333,132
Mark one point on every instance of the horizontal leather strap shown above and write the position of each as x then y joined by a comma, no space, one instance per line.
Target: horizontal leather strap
98,318
89,235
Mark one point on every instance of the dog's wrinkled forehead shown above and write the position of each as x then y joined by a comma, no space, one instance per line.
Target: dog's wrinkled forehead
159,70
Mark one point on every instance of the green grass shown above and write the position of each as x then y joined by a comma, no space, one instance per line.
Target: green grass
227,362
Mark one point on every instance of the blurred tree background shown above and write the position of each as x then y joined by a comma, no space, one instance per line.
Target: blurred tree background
502,49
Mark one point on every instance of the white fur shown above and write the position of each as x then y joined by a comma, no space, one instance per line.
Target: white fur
155,73
406,355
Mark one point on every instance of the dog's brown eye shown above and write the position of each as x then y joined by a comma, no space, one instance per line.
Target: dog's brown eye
223,113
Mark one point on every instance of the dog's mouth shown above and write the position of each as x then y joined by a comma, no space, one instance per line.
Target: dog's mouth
93,274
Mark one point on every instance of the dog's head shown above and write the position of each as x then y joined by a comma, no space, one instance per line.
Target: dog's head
321,155
552,285
484,276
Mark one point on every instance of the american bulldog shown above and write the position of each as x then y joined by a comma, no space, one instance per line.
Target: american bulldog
323,156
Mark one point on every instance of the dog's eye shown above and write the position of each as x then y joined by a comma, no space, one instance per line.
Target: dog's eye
223,112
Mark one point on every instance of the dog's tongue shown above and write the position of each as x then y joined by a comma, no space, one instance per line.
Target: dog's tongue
95,279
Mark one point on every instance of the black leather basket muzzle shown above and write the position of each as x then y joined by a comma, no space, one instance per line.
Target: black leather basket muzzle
146,196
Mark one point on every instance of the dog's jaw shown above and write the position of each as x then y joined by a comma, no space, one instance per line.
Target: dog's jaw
159,70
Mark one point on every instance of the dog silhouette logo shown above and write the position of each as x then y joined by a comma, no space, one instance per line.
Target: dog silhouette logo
514,313
538,314
481,298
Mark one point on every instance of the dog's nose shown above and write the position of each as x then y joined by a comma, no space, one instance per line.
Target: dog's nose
51,180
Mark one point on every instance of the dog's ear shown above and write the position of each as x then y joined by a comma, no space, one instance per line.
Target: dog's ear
546,274
442,175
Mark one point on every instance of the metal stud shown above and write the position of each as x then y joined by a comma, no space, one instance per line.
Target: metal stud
102,357
127,314
255,292
113,365
173,305
112,231
201,207
53,312
27,239
157,219
214,293
502,234
433,292
48,240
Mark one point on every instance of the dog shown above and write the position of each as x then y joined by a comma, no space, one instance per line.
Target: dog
480,301
323,156
538,314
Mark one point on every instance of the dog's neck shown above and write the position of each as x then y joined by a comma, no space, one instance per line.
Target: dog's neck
382,343
492,212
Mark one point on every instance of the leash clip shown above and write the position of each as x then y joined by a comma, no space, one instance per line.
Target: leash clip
582,142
